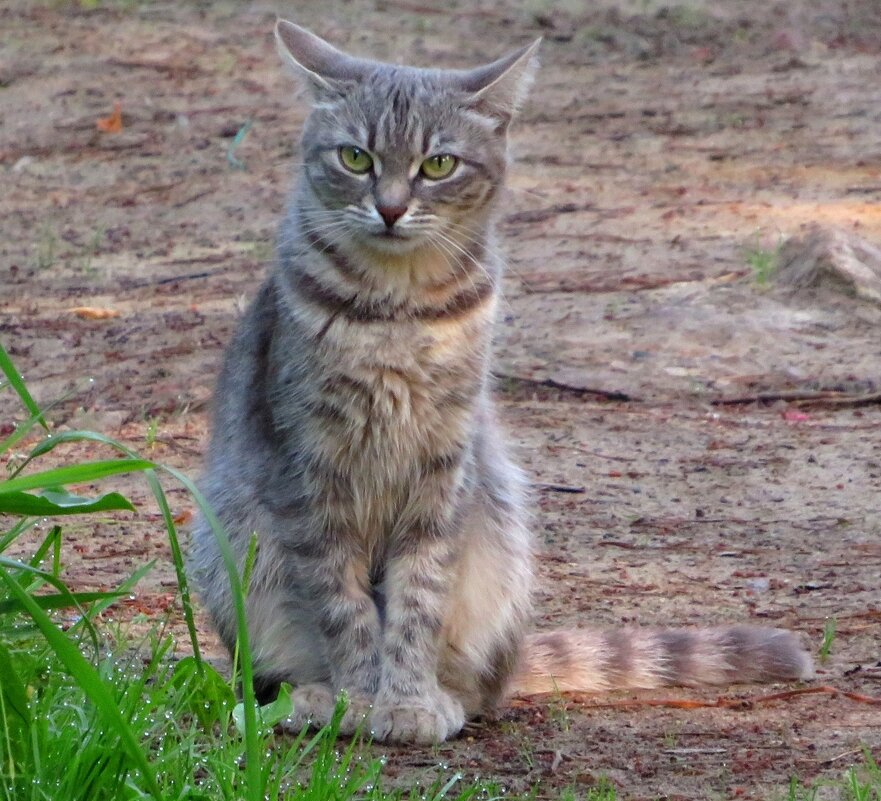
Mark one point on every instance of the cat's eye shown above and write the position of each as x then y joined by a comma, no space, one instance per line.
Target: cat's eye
354,159
440,166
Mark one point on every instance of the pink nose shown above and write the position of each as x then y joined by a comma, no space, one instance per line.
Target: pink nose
391,214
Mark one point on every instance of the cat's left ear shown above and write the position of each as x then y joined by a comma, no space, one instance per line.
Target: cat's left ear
501,87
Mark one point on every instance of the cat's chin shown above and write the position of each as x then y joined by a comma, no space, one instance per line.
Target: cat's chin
393,243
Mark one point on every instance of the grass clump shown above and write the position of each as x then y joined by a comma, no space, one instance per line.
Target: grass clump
764,262
857,783
829,628
78,718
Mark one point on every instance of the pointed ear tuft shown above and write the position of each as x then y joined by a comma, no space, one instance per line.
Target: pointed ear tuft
323,67
501,87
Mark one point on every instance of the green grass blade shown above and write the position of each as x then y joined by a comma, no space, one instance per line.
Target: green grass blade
123,589
53,502
15,381
60,600
55,440
21,431
51,442
51,541
442,793
7,565
253,749
76,474
88,679
19,528
178,560
272,713
247,570
11,686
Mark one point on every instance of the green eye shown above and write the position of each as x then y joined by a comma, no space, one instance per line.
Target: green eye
437,167
355,159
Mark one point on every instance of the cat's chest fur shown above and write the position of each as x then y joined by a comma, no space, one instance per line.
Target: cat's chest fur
377,404
397,391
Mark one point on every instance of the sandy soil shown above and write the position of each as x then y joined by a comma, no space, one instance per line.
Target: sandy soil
665,148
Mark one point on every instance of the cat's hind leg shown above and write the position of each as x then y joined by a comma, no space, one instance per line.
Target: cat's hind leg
284,640
490,609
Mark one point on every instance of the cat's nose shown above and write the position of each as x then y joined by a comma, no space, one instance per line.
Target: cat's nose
391,214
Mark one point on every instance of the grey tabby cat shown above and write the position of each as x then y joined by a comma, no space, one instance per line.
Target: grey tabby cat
355,434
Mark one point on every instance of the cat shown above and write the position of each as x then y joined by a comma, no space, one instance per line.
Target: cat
355,435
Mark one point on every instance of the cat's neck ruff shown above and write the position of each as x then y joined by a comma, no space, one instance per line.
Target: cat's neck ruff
401,272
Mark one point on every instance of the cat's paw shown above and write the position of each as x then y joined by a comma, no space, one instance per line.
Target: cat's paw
426,719
314,705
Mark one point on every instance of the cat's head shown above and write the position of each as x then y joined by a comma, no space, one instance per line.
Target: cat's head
400,157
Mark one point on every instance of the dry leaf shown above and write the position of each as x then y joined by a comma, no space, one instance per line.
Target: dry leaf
113,123
184,517
94,313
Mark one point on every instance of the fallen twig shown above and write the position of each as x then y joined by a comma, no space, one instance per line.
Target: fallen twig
424,8
539,215
771,397
609,456
173,279
550,383
595,236
628,284
191,198
175,68
846,754
559,488
802,398
867,399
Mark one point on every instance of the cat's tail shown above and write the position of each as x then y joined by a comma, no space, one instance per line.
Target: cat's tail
594,660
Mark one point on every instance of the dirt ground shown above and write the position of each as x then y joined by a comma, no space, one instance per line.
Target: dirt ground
664,150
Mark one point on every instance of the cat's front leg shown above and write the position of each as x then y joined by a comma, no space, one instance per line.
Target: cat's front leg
335,577
411,706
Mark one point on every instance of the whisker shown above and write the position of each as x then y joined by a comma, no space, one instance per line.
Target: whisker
463,251
480,266
320,230
451,261
494,251
442,243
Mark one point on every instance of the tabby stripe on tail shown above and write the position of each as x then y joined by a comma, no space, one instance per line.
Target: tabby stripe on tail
645,658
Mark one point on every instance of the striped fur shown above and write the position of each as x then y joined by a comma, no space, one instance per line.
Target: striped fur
355,436
646,658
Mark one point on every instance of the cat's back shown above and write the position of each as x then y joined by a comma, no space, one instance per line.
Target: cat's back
241,410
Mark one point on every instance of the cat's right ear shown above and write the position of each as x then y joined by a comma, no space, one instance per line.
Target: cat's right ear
326,70
501,87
